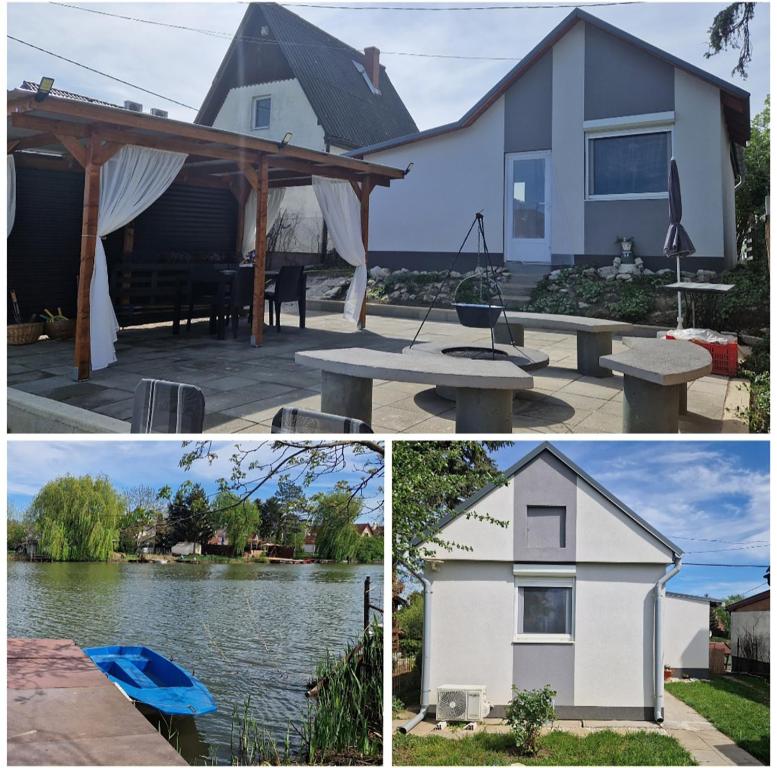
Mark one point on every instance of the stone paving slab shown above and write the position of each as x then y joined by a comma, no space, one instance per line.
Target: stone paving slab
561,401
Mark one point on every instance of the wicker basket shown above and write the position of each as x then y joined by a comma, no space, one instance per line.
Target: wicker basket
24,333
60,329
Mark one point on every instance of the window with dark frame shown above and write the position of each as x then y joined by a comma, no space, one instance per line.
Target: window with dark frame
262,112
629,164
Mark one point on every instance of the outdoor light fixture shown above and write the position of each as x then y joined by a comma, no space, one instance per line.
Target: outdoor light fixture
409,167
286,139
44,88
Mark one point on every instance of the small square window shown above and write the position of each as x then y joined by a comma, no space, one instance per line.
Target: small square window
547,610
262,112
546,527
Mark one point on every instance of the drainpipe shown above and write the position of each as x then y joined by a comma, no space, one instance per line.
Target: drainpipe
658,709
425,653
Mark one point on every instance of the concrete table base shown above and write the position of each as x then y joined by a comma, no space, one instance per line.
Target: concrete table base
590,347
347,396
484,410
651,408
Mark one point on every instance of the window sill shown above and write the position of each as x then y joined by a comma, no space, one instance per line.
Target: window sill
640,196
543,640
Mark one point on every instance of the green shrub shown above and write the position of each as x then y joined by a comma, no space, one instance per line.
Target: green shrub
756,369
527,713
410,623
397,705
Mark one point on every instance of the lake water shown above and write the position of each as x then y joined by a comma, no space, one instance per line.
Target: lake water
244,630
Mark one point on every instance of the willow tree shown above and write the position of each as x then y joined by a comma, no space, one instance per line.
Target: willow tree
333,517
240,518
77,518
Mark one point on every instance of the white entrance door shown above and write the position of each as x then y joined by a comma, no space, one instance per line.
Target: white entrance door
527,207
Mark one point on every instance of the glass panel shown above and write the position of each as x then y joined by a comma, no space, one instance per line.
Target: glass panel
547,610
529,199
623,165
262,113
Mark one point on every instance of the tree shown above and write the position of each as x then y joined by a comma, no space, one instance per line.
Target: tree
409,620
371,549
142,507
77,518
333,518
429,479
723,616
190,515
731,29
239,518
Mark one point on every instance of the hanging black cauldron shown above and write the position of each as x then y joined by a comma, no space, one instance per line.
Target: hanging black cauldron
474,302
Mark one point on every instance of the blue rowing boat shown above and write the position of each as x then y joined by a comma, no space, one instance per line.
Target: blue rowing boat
149,678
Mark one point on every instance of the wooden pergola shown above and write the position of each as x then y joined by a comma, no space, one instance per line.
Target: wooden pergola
92,133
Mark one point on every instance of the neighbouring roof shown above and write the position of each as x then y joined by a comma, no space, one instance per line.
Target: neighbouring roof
547,447
698,598
736,101
29,85
748,601
350,114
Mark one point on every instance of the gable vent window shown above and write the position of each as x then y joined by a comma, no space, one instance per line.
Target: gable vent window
261,113
546,527
360,68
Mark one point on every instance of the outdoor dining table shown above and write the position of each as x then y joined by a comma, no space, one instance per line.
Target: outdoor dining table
692,289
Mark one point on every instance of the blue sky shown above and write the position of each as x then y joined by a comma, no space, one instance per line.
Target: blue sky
181,64
690,491
31,464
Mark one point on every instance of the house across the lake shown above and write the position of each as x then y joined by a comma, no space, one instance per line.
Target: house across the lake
567,153
568,590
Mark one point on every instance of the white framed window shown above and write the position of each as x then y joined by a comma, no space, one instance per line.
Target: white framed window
628,164
260,112
544,603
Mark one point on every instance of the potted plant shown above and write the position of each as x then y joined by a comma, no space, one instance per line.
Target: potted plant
667,672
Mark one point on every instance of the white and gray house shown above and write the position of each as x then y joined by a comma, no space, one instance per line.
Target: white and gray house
569,591
565,154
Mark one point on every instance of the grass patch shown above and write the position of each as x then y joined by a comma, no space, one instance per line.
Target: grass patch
737,706
556,748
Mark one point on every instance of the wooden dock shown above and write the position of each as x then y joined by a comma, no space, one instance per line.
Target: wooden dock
63,711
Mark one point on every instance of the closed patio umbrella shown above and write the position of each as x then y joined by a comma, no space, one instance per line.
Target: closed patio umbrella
677,243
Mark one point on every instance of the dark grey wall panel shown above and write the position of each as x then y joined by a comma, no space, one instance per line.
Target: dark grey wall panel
427,260
529,108
621,79
536,665
645,220
545,482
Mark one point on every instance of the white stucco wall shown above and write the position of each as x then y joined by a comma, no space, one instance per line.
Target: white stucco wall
754,622
472,627
453,177
728,182
614,635
568,157
696,147
686,633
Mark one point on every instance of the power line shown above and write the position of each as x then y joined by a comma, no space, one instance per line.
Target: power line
726,549
435,9
728,565
104,74
721,541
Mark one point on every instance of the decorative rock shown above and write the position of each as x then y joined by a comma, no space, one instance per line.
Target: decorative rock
705,275
664,271
624,276
607,272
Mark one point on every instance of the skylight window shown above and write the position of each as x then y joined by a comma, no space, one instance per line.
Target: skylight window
360,68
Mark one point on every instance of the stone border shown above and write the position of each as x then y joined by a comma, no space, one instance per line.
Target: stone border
28,413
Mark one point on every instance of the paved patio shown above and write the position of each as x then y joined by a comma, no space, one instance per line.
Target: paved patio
244,387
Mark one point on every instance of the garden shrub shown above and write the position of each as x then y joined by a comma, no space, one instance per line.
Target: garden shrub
527,713
756,369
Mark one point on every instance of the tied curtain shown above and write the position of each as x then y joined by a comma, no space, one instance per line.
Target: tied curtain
274,199
132,180
342,214
11,194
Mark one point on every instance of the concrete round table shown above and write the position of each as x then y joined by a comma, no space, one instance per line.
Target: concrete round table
525,358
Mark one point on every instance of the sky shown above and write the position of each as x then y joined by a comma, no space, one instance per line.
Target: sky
181,64
128,464
690,491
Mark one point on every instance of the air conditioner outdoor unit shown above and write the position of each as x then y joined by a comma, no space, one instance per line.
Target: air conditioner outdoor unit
462,702
133,106
158,112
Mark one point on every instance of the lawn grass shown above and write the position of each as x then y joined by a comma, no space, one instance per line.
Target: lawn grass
556,748
738,706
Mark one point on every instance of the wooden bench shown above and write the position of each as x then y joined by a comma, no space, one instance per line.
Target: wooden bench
484,388
655,378
594,335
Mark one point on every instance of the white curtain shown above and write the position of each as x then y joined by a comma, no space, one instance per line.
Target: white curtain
274,199
11,194
130,182
342,214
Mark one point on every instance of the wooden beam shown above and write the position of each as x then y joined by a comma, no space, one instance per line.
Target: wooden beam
364,204
12,145
257,325
19,105
81,154
104,151
34,142
83,353
44,125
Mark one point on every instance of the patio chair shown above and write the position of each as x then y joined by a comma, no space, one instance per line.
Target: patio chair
305,421
167,407
288,286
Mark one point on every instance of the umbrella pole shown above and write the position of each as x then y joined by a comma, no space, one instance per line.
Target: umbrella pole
679,299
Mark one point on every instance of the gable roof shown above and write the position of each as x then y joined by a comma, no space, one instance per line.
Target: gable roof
736,101
350,114
546,447
748,601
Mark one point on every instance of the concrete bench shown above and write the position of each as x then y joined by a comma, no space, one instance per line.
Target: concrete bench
594,335
655,378
484,388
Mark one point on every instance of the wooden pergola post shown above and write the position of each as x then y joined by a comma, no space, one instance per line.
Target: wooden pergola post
365,189
260,183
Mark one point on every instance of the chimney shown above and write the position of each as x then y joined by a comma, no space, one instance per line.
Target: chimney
372,65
